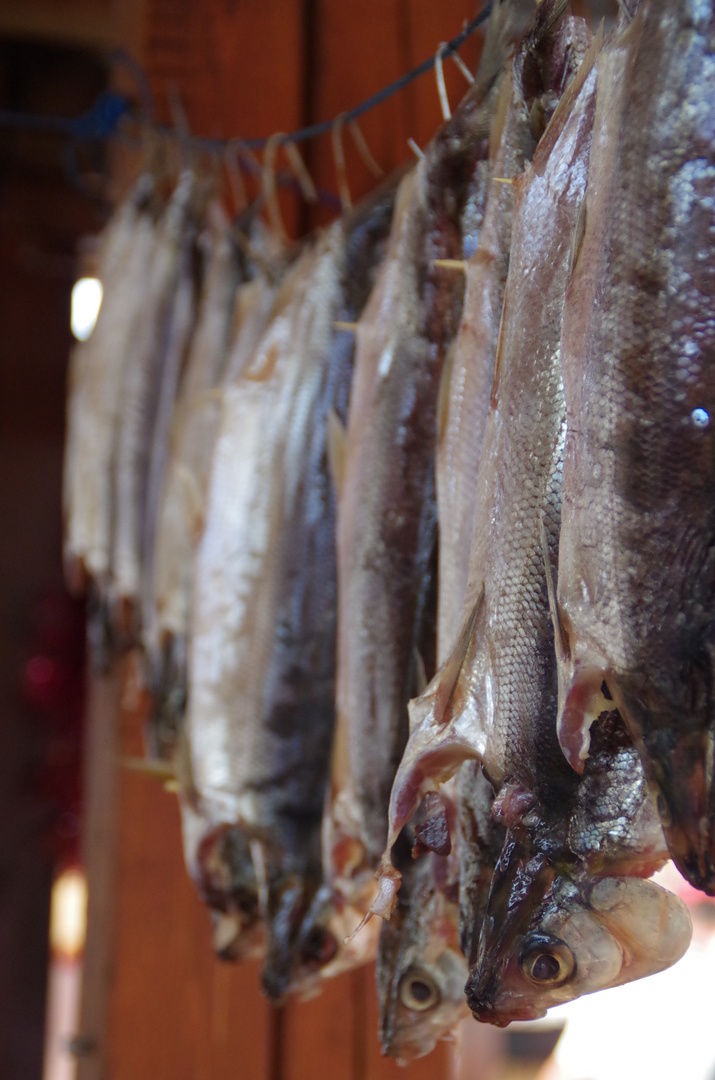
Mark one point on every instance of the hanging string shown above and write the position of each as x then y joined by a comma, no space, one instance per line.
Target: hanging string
102,120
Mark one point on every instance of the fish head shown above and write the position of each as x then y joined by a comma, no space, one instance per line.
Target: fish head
292,954
328,945
550,937
420,974
226,880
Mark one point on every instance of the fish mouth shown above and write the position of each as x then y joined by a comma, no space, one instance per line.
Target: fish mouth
301,943
502,1017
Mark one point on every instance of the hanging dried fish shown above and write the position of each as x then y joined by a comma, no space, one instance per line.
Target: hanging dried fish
386,521
97,373
492,696
153,358
636,571
262,670
234,309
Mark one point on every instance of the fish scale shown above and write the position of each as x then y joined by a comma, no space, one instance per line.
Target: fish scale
637,571
495,673
568,912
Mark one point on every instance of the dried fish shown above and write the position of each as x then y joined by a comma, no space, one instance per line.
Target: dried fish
96,378
234,309
153,357
386,522
262,673
547,937
495,697
252,766
636,586
553,929
420,968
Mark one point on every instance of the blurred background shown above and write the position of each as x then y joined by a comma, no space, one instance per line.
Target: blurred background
155,1002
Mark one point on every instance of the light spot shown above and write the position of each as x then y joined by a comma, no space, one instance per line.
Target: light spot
700,418
86,302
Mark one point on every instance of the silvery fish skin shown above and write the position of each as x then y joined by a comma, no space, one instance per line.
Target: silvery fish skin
471,364
636,587
552,931
420,968
157,340
233,313
96,379
318,950
301,680
386,519
496,693
468,393
249,741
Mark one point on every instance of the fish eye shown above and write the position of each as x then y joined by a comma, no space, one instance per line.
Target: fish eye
418,990
547,962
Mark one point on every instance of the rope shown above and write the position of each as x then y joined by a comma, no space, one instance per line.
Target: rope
102,120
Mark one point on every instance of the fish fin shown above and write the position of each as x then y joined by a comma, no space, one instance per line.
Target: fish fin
582,701
258,858
337,450
579,706
183,769
577,240
259,371
449,674
561,638
387,889
566,102
443,398
433,754
420,675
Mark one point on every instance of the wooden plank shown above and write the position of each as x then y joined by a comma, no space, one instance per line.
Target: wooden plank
100,863
320,1035
174,1009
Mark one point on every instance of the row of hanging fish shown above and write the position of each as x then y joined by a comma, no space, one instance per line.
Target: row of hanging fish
415,524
